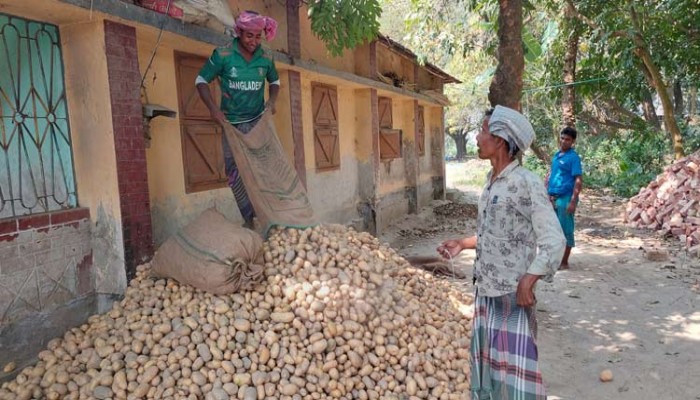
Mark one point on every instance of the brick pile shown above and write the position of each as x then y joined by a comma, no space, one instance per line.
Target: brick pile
671,203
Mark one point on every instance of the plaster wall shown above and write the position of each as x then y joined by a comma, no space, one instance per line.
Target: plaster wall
87,92
362,57
426,80
314,49
426,170
393,171
171,207
270,8
391,61
283,115
333,193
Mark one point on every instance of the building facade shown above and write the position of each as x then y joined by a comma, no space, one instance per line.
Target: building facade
107,150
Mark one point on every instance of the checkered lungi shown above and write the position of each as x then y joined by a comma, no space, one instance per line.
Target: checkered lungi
234,178
504,354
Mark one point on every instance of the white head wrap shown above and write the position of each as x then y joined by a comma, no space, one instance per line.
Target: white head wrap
512,127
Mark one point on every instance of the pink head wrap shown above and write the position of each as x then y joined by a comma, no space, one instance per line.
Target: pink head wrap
252,21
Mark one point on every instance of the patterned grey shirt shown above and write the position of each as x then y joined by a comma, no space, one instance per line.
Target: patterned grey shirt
517,232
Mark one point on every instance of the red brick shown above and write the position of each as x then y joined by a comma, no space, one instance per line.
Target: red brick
115,28
8,238
84,269
33,221
8,226
293,30
75,214
297,125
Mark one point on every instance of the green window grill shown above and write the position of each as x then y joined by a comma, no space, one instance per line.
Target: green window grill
36,162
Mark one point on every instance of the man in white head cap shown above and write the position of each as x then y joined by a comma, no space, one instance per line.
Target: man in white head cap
518,241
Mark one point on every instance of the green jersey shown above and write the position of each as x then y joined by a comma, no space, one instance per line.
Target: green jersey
242,82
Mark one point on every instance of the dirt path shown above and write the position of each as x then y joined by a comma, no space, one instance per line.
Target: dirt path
614,309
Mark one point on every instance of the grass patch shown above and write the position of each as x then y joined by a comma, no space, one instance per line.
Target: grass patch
470,173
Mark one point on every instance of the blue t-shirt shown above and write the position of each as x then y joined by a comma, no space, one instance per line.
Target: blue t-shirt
565,168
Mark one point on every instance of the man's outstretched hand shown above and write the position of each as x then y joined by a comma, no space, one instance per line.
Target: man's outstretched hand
450,248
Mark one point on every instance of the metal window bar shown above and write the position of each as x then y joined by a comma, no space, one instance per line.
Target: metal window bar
36,160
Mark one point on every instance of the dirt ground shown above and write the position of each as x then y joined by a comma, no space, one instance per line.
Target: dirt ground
629,303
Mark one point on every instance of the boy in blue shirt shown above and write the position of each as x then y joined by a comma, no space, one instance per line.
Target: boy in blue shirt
564,187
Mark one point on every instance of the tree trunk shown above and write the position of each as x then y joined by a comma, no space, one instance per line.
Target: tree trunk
539,153
669,119
642,51
507,84
692,101
568,100
649,109
460,140
678,98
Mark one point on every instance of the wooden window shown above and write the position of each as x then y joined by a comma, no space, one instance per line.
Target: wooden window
202,153
420,129
389,138
325,112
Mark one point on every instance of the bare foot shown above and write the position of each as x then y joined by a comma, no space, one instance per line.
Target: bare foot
564,266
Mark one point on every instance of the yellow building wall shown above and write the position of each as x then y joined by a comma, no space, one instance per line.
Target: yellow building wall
389,61
313,48
426,80
171,207
362,55
270,8
333,193
283,116
425,162
94,157
393,172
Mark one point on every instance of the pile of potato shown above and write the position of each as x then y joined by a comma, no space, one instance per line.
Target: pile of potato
339,316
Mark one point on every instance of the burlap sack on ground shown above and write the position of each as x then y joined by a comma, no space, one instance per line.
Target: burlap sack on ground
212,254
278,195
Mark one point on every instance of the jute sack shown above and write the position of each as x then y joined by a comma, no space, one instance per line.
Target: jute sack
274,188
212,254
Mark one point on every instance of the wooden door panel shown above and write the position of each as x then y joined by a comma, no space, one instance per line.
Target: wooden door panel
191,106
326,149
390,143
203,156
324,100
202,153
325,105
385,113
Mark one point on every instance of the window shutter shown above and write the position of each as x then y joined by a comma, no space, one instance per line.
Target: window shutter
385,117
204,156
202,153
421,130
389,138
390,143
325,114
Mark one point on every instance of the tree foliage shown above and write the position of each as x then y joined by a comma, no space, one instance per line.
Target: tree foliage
639,36
344,24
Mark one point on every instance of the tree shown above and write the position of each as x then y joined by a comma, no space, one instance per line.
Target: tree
630,28
507,84
568,100
344,24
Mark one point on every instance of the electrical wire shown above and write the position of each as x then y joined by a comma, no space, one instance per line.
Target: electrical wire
155,48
